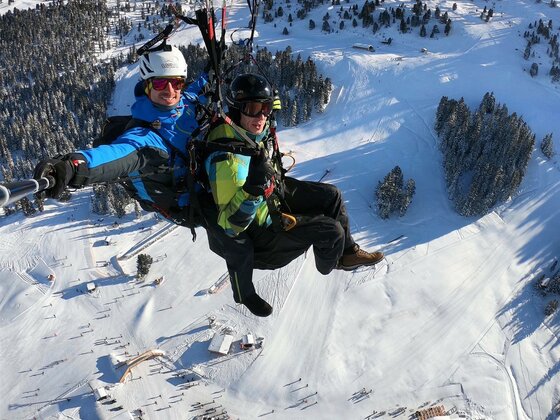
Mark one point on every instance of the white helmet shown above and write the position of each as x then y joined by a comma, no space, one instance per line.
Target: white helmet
168,62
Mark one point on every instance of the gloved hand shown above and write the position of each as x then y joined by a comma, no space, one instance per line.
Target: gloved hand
62,170
208,67
260,179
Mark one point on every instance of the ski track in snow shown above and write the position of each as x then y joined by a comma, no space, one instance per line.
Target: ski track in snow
443,300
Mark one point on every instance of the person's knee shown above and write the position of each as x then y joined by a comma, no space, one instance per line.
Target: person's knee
338,230
333,192
330,240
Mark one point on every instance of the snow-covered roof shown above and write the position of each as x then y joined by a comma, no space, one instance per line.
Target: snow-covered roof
220,343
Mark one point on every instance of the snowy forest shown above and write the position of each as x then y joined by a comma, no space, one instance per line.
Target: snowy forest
485,153
537,30
419,16
56,90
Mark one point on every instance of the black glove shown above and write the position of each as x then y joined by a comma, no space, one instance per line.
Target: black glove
62,170
260,179
208,67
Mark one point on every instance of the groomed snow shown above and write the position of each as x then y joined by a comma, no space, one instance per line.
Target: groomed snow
451,318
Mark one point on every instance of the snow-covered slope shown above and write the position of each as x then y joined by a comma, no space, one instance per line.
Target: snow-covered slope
450,319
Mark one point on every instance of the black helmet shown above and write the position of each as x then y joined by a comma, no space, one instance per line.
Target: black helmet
249,88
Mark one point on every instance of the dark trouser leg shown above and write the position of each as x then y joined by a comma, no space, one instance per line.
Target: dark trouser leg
237,252
312,198
277,249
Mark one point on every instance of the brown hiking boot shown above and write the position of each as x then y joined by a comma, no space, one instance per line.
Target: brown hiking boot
359,258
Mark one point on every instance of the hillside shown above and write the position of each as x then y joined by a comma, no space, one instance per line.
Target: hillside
451,318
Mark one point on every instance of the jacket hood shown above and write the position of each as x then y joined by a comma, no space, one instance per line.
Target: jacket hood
139,89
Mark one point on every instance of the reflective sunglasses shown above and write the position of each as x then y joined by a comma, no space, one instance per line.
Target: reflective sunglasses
256,109
160,83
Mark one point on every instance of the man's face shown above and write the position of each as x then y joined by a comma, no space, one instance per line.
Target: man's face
166,91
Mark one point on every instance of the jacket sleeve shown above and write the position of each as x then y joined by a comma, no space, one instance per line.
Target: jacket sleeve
237,209
195,91
131,152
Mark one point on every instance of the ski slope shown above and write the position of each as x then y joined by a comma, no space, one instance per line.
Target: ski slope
451,318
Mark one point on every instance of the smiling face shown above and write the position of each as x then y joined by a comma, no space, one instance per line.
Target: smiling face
169,95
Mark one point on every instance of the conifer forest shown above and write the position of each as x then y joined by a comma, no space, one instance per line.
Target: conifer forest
55,88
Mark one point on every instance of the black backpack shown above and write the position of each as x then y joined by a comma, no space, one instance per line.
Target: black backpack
115,126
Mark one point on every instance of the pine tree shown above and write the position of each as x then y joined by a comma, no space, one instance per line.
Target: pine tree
527,52
547,146
534,70
143,264
447,27
551,307
403,26
391,194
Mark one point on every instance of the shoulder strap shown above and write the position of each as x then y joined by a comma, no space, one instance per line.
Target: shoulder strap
135,122
231,146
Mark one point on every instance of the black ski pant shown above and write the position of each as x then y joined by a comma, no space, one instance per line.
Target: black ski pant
322,223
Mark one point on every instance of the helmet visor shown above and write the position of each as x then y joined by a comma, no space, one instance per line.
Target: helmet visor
160,83
256,109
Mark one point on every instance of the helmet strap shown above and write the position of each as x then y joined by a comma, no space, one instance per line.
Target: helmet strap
147,87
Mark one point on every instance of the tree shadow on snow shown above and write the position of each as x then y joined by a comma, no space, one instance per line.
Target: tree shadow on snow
430,215
542,248
550,375
74,215
108,373
525,311
196,354
196,330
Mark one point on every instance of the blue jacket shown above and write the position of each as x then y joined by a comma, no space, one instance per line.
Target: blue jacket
154,164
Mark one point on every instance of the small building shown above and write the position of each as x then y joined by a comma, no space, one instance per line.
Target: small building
99,392
247,342
50,277
220,343
367,47
91,287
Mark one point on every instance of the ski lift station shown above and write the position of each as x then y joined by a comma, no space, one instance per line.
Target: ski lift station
367,47
91,287
220,343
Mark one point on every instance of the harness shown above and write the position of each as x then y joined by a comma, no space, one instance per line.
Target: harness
213,114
